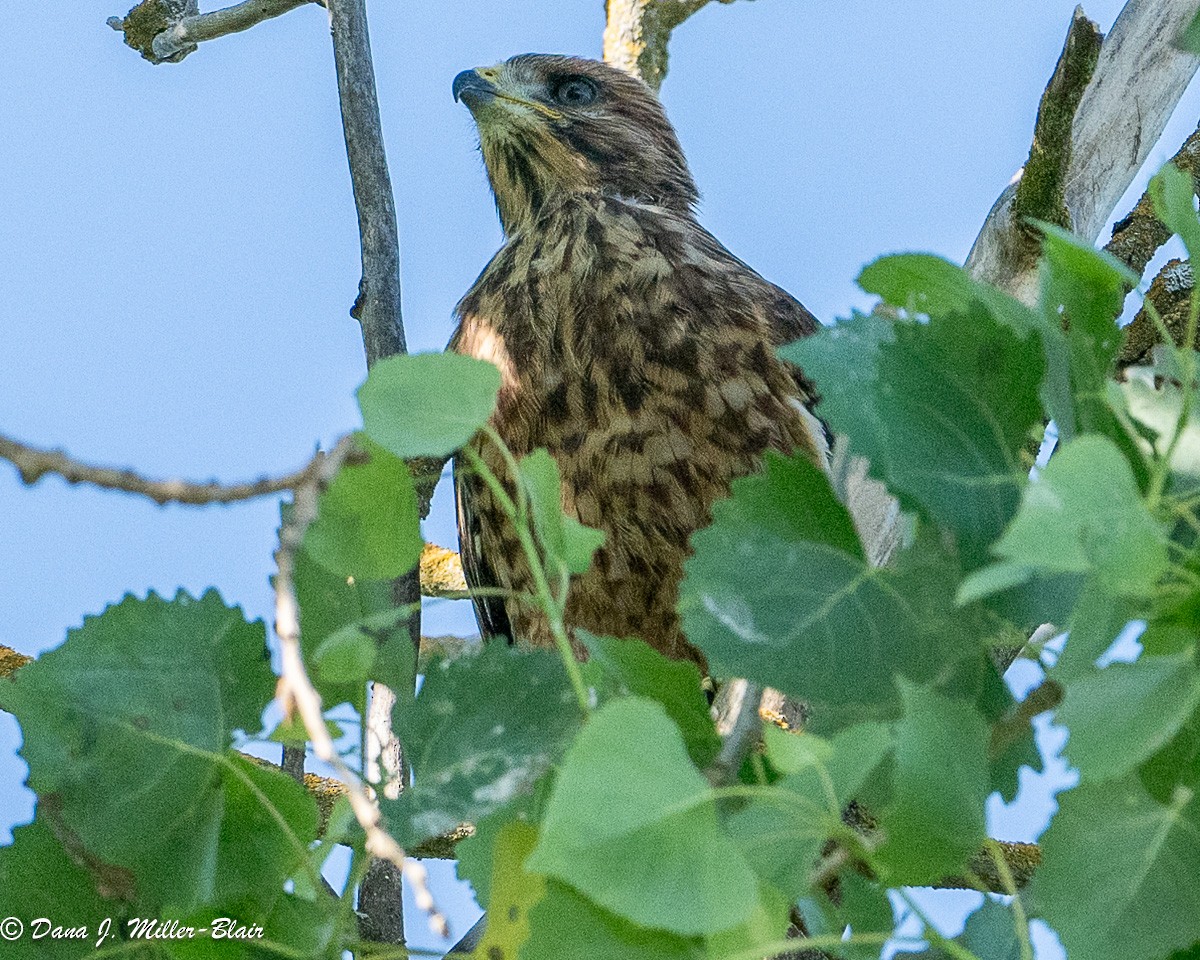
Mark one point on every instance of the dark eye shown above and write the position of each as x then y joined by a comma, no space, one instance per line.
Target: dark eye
574,91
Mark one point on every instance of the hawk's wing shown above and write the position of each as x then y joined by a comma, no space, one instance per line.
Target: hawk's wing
490,611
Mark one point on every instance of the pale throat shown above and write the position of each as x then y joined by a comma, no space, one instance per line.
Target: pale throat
527,169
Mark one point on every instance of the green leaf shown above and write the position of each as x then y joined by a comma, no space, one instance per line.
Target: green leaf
598,830
1160,408
144,700
936,820
568,544
563,925
427,404
1122,714
951,404
329,603
516,892
376,647
991,932
475,855
929,284
367,525
1089,286
782,834
39,880
843,360
484,728
621,668
1117,866
793,499
1174,195
787,613
1084,514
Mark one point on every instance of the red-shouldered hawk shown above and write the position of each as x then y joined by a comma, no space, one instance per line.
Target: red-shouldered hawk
632,346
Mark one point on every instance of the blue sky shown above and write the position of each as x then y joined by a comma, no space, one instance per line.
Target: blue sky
178,249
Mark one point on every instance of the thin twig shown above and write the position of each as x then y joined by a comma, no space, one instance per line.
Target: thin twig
166,33
33,463
296,694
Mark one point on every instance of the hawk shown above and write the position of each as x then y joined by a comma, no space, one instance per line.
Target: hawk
632,346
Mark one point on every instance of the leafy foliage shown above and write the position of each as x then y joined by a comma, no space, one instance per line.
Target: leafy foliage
604,825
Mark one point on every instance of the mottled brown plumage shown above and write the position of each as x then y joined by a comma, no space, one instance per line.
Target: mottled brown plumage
632,345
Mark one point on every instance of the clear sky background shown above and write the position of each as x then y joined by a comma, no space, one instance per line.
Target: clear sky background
178,246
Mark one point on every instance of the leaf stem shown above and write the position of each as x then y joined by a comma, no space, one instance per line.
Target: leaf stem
545,596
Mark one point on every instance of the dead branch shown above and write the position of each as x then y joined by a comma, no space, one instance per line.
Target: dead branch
1138,79
1138,236
637,32
33,463
1171,295
166,31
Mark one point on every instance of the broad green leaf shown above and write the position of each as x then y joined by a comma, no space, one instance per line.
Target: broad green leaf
782,833
788,614
427,404
1117,870
843,361
1122,714
792,498
1088,286
929,284
1177,764
367,525
329,603
475,855
515,892
1160,409
1084,514
38,880
1174,195
949,407
144,700
862,905
568,544
564,925
483,729
991,932
935,822
377,647
620,668
761,930
995,702
627,787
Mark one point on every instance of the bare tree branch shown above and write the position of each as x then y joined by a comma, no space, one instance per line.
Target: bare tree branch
1137,236
378,311
33,463
1138,79
1171,295
166,31
739,725
637,32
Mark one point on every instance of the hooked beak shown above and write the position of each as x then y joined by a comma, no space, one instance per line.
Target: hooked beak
470,87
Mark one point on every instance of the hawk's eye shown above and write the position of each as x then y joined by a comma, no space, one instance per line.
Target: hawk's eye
574,91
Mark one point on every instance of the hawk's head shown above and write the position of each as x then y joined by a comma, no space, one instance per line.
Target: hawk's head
553,125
